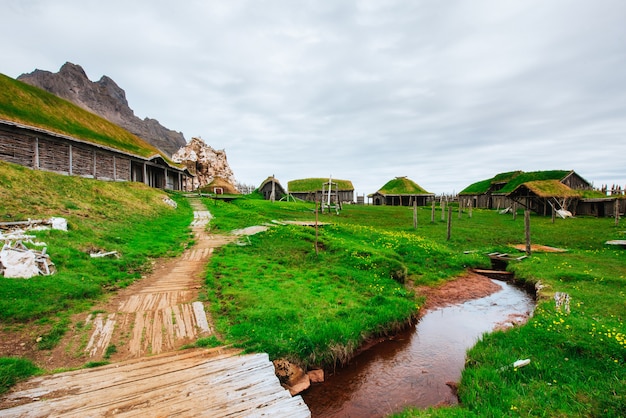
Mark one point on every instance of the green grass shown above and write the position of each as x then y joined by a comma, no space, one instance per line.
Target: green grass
277,296
130,218
402,185
315,184
12,370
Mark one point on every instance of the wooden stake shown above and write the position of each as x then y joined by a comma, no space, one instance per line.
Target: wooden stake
415,214
432,213
316,218
616,209
443,209
449,222
527,230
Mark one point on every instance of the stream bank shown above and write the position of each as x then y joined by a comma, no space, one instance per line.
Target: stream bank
419,367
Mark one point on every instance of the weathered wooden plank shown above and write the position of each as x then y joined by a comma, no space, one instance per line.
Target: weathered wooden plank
186,385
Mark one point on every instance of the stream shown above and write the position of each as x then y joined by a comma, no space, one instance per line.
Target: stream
412,368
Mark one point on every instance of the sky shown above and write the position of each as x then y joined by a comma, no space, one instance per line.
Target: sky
446,93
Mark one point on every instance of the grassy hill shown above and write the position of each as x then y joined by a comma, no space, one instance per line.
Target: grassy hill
128,217
28,105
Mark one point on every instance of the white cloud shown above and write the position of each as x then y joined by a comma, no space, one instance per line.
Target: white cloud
446,93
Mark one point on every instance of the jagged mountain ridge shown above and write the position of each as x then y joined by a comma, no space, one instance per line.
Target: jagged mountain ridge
106,99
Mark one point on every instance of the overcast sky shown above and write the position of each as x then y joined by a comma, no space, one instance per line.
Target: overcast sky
444,92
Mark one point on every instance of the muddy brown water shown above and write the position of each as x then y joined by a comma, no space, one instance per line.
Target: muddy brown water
413,368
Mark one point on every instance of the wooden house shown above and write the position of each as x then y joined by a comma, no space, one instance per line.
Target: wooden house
271,189
401,191
41,149
539,191
311,189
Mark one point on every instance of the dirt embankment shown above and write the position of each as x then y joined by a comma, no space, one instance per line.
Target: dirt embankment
466,287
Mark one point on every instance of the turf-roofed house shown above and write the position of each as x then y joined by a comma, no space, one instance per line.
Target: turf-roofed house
271,189
401,191
313,189
540,191
44,132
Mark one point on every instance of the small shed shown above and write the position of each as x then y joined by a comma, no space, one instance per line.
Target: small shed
401,191
310,189
271,189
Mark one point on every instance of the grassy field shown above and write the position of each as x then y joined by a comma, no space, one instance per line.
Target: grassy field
130,218
275,294
315,296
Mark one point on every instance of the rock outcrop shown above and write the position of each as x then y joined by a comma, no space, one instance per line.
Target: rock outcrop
204,162
106,99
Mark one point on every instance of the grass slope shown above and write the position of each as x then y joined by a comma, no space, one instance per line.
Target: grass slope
130,218
29,105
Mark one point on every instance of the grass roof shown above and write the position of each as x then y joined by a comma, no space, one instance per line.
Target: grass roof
315,184
549,188
533,176
226,186
32,106
483,186
402,186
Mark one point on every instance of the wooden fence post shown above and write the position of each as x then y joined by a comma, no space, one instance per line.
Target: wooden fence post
316,219
616,209
449,222
527,230
432,213
415,214
443,209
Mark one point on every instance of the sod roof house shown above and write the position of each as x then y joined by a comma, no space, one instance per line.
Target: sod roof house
271,189
41,149
401,191
44,132
311,189
537,190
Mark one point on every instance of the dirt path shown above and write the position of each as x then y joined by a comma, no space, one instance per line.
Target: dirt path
161,312
157,314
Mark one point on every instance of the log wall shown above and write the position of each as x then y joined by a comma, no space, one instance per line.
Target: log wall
37,150
17,148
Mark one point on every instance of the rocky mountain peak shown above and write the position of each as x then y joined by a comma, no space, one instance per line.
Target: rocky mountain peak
106,99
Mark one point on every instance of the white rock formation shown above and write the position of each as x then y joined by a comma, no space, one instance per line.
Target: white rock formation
204,162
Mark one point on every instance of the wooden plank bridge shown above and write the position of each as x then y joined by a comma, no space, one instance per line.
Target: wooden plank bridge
193,383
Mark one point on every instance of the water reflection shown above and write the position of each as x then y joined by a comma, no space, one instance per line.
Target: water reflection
413,368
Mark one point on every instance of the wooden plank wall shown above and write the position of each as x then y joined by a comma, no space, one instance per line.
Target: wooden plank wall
39,151
16,148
